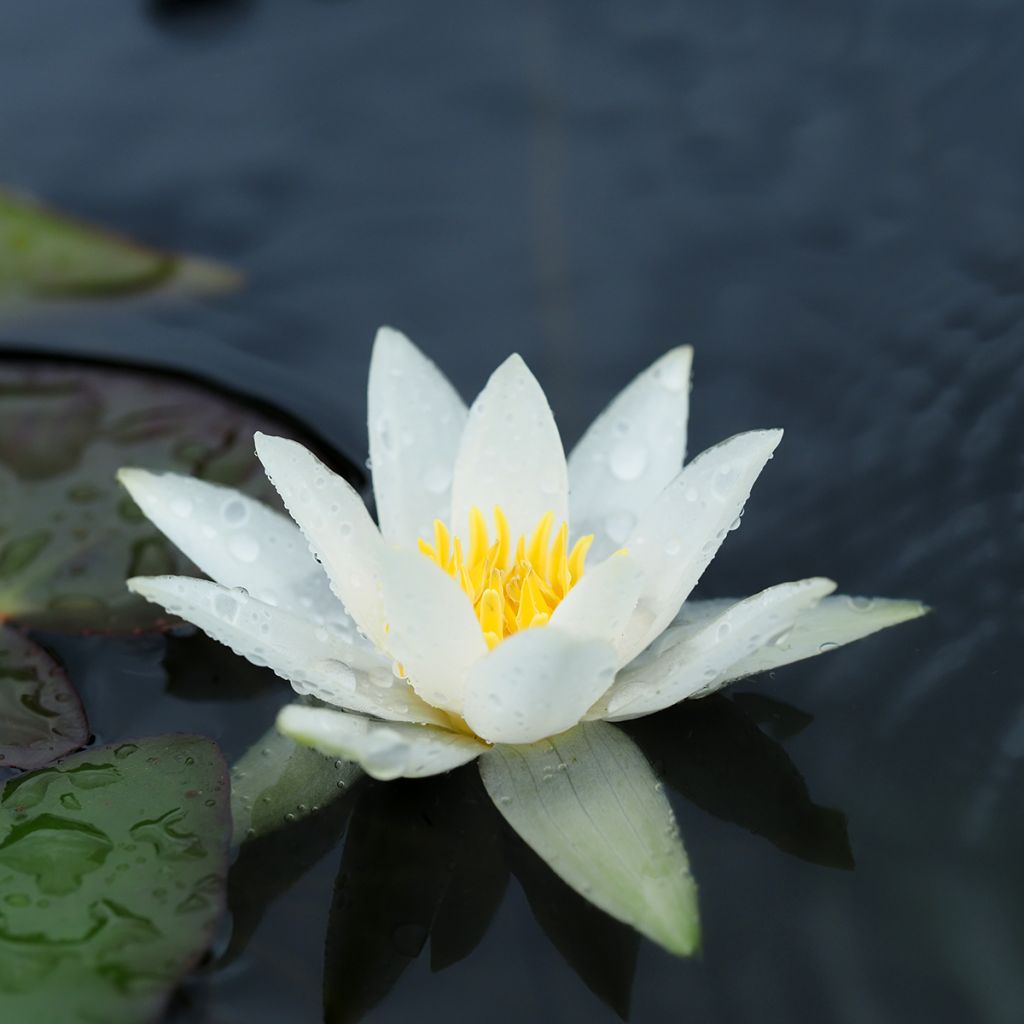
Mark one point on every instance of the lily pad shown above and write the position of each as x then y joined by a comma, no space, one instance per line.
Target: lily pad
69,534
47,257
41,717
112,879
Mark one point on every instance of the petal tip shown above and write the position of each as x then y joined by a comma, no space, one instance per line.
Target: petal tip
388,336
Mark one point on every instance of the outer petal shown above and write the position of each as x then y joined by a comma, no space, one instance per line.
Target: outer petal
386,751
535,684
827,626
236,540
691,665
631,452
679,534
600,606
415,422
316,660
589,804
432,629
339,529
510,454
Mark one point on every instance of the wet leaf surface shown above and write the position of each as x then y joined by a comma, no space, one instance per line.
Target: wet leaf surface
713,754
278,782
69,534
112,872
49,257
41,716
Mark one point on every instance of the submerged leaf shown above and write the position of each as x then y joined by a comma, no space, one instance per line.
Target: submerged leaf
270,863
278,782
716,757
41,716
112,869
48,257
589,804
69,534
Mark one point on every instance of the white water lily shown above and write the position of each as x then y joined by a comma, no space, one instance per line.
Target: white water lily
510,603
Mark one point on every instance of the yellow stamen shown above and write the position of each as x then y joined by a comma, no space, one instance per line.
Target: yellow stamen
578,557
510,591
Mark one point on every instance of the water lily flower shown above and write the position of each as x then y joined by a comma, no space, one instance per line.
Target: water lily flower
508,604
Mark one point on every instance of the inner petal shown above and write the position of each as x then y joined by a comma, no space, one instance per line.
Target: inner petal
512,587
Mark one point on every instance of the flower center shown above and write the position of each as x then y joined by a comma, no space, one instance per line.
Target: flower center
510,589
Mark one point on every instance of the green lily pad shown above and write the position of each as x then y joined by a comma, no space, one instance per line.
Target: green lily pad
47,257
112,879
69,534
41,717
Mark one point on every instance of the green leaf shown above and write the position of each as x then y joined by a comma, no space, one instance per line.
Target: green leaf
47,257
278,782
588,803
112,873
714,755
69,535
41,717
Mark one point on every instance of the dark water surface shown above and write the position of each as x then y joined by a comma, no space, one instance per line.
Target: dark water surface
827,200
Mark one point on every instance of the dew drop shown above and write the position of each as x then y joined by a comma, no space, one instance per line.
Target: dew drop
619,525
437,479
385,435
234,512
244,547
627,460
226,607
722,482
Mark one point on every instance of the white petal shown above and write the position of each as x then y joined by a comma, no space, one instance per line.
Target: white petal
631,452
600,606
691,666
510,455
679,534
316,660
831,624
432,628
588,803
535,684
236,540
339,529
392,750
415,422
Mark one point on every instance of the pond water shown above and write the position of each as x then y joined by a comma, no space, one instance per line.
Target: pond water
827,201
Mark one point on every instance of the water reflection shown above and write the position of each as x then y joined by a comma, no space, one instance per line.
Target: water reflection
713,753
426,863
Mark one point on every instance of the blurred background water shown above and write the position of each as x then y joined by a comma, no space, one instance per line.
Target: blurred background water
826,200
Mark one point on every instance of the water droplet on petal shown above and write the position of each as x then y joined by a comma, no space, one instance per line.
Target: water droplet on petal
234,512
437,479
627,460
619,525
244,547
